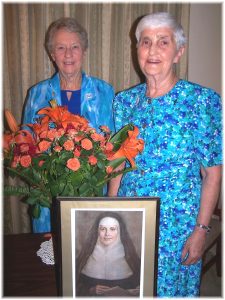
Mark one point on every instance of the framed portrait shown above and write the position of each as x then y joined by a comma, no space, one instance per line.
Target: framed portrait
107,246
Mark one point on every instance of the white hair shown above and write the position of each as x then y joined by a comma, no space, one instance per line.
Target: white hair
162,19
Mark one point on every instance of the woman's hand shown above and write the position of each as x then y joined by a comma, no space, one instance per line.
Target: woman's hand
113,291
194,247
98,289
195,244
114,183
134,292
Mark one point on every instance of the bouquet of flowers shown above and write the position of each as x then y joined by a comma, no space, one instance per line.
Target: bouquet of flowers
61,155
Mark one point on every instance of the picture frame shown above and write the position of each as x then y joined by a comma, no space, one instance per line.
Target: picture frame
75,218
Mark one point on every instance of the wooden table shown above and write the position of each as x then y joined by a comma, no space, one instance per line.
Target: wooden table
24,272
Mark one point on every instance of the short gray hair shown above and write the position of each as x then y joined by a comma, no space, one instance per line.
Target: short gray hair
69,24
162,19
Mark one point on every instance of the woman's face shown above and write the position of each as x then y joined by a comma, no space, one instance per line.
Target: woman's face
157,52
108,231
67,52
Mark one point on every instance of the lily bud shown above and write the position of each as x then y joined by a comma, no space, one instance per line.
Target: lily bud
53,103
12,123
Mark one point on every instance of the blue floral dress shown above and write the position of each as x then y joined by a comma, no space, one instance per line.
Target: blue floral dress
182,131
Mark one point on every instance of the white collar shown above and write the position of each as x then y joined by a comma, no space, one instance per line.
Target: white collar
107,262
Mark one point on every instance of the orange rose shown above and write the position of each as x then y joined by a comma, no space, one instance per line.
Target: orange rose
60,132
109,169
44,145
109,146
97,137
72,132
41,162
15,161
25,161
68,145
76,152
92,160
78,138
105,129
52,134
86,144
73,164
24,148
57,148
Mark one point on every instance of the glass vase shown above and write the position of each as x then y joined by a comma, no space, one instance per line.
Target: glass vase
43,223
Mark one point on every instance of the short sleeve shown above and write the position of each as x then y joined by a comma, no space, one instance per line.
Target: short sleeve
124,103
208,137
118,111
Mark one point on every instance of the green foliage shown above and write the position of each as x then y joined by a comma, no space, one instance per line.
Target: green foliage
16,190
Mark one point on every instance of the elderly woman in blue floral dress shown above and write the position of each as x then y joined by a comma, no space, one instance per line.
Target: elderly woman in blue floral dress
180,123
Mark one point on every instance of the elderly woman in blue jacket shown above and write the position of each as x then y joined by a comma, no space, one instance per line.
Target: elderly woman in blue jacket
66,43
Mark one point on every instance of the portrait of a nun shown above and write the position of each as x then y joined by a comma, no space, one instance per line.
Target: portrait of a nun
108,264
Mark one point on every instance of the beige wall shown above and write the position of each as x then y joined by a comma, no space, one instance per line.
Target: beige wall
205,45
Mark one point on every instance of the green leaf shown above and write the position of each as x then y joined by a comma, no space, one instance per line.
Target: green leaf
76,178
36,211
100,175
45,201
101,165
101,156
31,200
37,193
99,191
66,155
85,190
56,188
36,176
27,176
16,190
68,190
116,162
119,137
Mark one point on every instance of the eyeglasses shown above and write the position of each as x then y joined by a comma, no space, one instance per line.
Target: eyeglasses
61,49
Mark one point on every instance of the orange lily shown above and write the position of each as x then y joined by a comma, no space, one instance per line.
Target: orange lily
12,123
21,137
60,116
130,147
24,136
8,139
38,128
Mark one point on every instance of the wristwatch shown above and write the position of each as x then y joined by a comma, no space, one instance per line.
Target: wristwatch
207,228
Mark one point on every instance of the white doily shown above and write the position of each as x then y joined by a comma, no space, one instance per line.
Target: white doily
46,252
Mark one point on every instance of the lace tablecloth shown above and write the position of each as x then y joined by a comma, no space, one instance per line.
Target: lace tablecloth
46,252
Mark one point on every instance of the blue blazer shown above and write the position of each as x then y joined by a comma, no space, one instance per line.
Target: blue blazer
96,100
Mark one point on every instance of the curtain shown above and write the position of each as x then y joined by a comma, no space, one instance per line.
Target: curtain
111,56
